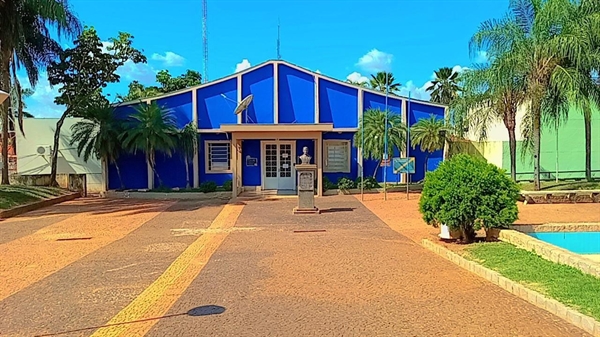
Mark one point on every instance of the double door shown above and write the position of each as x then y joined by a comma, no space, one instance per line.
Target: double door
278,165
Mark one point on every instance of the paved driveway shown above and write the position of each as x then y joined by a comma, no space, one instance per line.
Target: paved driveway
192,269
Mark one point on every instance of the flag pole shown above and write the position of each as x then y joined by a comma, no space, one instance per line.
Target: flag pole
362,154
385,138
407,143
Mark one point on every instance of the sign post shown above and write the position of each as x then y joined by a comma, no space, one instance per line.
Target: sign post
404,165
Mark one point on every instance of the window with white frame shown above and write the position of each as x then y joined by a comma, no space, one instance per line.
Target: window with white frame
217,157
336,156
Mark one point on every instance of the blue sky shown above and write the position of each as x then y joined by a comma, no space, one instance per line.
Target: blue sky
338,38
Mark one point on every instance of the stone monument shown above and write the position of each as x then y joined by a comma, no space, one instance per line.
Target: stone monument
306,185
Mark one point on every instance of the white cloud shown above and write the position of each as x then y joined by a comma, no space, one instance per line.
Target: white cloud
245,64
41,103
169,59
105,45
375,61
357,77
141,72
415,91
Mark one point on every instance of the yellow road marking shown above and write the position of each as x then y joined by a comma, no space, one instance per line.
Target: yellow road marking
160,296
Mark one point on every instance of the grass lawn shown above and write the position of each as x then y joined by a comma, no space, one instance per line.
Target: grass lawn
562,185
562,283
15,195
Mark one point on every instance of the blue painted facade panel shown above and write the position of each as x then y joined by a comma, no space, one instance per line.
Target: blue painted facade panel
418,111
354,169
218,178
259,83
123,112
374,101
172,171
338,104
180,106
216,104
296,96
134,172
251,175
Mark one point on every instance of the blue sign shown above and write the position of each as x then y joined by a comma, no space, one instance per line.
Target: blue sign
404,165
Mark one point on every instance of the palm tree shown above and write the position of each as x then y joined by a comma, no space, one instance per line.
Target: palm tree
544,40
187,143
97,135
26,41
430,135
372,124
492,95
382,80
360,84
444,88
151,129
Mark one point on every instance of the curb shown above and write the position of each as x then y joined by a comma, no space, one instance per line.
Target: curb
585,323
168,196
9,213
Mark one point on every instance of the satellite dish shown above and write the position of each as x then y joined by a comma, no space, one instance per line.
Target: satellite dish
243,104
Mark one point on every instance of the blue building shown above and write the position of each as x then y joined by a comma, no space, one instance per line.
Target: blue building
291,108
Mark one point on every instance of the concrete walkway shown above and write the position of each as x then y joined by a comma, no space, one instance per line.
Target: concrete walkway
358,278
196,269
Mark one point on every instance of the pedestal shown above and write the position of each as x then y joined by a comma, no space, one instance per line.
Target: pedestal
306,189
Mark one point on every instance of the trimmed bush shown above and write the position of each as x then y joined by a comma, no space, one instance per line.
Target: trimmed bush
370,183
345,184
328,185
467,194
208,186
228,185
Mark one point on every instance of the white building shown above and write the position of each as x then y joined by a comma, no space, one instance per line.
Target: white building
34,150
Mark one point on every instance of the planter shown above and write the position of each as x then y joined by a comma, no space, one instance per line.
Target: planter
448,234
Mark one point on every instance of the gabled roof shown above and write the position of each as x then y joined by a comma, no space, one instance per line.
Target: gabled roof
275,62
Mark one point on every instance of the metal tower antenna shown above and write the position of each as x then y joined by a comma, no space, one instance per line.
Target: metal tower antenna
278,40
205,41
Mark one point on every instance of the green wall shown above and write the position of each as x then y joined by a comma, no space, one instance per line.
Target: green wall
571,150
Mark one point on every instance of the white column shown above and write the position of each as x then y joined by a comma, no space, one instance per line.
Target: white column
234,164
196,162
239,97
359,146
404,177
276,92
317,99
319,149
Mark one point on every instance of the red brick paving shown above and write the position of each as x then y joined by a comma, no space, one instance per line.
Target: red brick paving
359,278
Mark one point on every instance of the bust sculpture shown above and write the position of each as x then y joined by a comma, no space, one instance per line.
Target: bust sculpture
305,158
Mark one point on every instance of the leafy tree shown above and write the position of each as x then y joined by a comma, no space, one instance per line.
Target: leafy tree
444,88
151,129
167,82
83,71
26,41
187,143
372,124
544,40
97,136
430,135
467,194
382,79
492,94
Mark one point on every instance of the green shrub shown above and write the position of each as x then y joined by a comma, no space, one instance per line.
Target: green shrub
228,185
208,186
370,183
467,194
328,185
345,184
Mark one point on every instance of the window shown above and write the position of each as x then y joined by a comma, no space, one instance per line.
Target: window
337,156
217,157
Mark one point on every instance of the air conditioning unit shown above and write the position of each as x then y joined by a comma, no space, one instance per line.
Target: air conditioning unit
44,150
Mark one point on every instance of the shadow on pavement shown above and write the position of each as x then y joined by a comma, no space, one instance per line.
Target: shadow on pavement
205,310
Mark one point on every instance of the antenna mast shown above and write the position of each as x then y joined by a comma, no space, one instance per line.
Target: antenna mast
205,41
278,41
